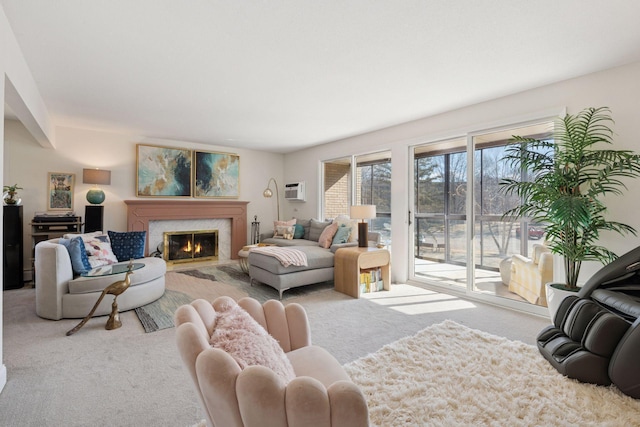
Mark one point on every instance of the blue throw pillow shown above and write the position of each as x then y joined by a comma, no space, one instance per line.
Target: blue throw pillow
342,235
299,231
128,245
79,259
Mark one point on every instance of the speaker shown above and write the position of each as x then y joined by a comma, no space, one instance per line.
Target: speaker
12,253
93,218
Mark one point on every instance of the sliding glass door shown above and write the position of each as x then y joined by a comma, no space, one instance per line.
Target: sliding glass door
450,226
439,215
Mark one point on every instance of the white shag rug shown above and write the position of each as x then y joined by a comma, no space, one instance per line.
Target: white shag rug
450,375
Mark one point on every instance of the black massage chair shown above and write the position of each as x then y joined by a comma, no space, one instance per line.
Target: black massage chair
595,336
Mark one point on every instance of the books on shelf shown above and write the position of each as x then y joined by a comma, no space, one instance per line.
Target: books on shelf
371,280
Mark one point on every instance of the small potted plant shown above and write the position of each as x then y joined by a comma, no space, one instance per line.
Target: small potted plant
10,193
569,178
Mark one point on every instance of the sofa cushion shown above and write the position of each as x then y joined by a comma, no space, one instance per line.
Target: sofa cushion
326,237
128,245
285,242
79,260
316,229
239,335
342,235
298,232
283,232
306,224
348,222
317,257
316,362
98,248
153,268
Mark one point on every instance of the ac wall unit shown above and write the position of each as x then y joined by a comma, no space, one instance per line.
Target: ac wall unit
294,191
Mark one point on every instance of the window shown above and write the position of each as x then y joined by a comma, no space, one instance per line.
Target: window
373,187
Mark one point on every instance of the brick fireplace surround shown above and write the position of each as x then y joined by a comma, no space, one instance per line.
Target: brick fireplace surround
140,212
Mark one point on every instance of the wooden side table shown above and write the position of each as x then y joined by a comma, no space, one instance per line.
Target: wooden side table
349,261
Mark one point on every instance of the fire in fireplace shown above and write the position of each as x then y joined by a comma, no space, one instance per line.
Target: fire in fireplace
185,246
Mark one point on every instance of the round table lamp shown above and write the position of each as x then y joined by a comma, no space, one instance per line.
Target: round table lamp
95,196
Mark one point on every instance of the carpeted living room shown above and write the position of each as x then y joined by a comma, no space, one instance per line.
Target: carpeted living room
349,127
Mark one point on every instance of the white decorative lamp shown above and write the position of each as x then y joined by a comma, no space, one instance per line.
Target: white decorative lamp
268,193
363,212
95,196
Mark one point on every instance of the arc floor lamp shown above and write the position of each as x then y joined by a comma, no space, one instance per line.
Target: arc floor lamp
268,193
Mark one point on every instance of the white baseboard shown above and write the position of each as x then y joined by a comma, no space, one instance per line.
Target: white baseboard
27,275
3,376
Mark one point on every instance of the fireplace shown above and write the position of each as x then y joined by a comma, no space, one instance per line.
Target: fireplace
186,246
141,212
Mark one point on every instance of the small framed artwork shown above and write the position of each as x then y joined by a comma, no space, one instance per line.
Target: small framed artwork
163,171
216,175
60,195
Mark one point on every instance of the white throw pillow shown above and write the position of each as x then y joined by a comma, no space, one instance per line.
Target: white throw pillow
348,222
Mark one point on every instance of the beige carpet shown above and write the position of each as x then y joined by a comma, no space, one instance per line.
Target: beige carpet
451,375
126,377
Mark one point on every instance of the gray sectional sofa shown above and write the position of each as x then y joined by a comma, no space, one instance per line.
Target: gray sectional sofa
269,270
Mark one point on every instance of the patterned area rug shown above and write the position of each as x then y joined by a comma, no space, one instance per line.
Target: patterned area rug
159,314
230,280
451,375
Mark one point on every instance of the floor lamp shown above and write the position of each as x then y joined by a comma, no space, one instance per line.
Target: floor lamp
268,193
363,212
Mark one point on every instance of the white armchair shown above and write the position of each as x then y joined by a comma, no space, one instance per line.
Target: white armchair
528,276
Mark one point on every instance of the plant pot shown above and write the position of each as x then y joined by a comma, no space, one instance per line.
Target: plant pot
555,296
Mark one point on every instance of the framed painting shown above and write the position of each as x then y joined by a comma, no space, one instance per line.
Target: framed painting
163,171
216,175
60,194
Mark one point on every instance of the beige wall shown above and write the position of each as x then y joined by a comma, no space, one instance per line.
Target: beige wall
617,88
28,164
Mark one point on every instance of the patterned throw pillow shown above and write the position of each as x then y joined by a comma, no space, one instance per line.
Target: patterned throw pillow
98,248
99,251
283,232
128,245
342,235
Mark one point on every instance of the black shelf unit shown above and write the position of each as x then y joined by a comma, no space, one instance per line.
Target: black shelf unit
93,218
12,251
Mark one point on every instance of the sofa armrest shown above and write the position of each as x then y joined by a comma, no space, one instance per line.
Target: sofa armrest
337,246
53,272
267,235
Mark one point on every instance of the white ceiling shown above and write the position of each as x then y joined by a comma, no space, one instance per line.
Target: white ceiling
287,74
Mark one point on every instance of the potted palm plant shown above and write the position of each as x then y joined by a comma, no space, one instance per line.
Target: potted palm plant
569,177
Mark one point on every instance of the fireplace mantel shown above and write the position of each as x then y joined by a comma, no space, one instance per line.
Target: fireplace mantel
140,212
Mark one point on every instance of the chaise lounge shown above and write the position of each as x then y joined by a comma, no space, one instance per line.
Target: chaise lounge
320,261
